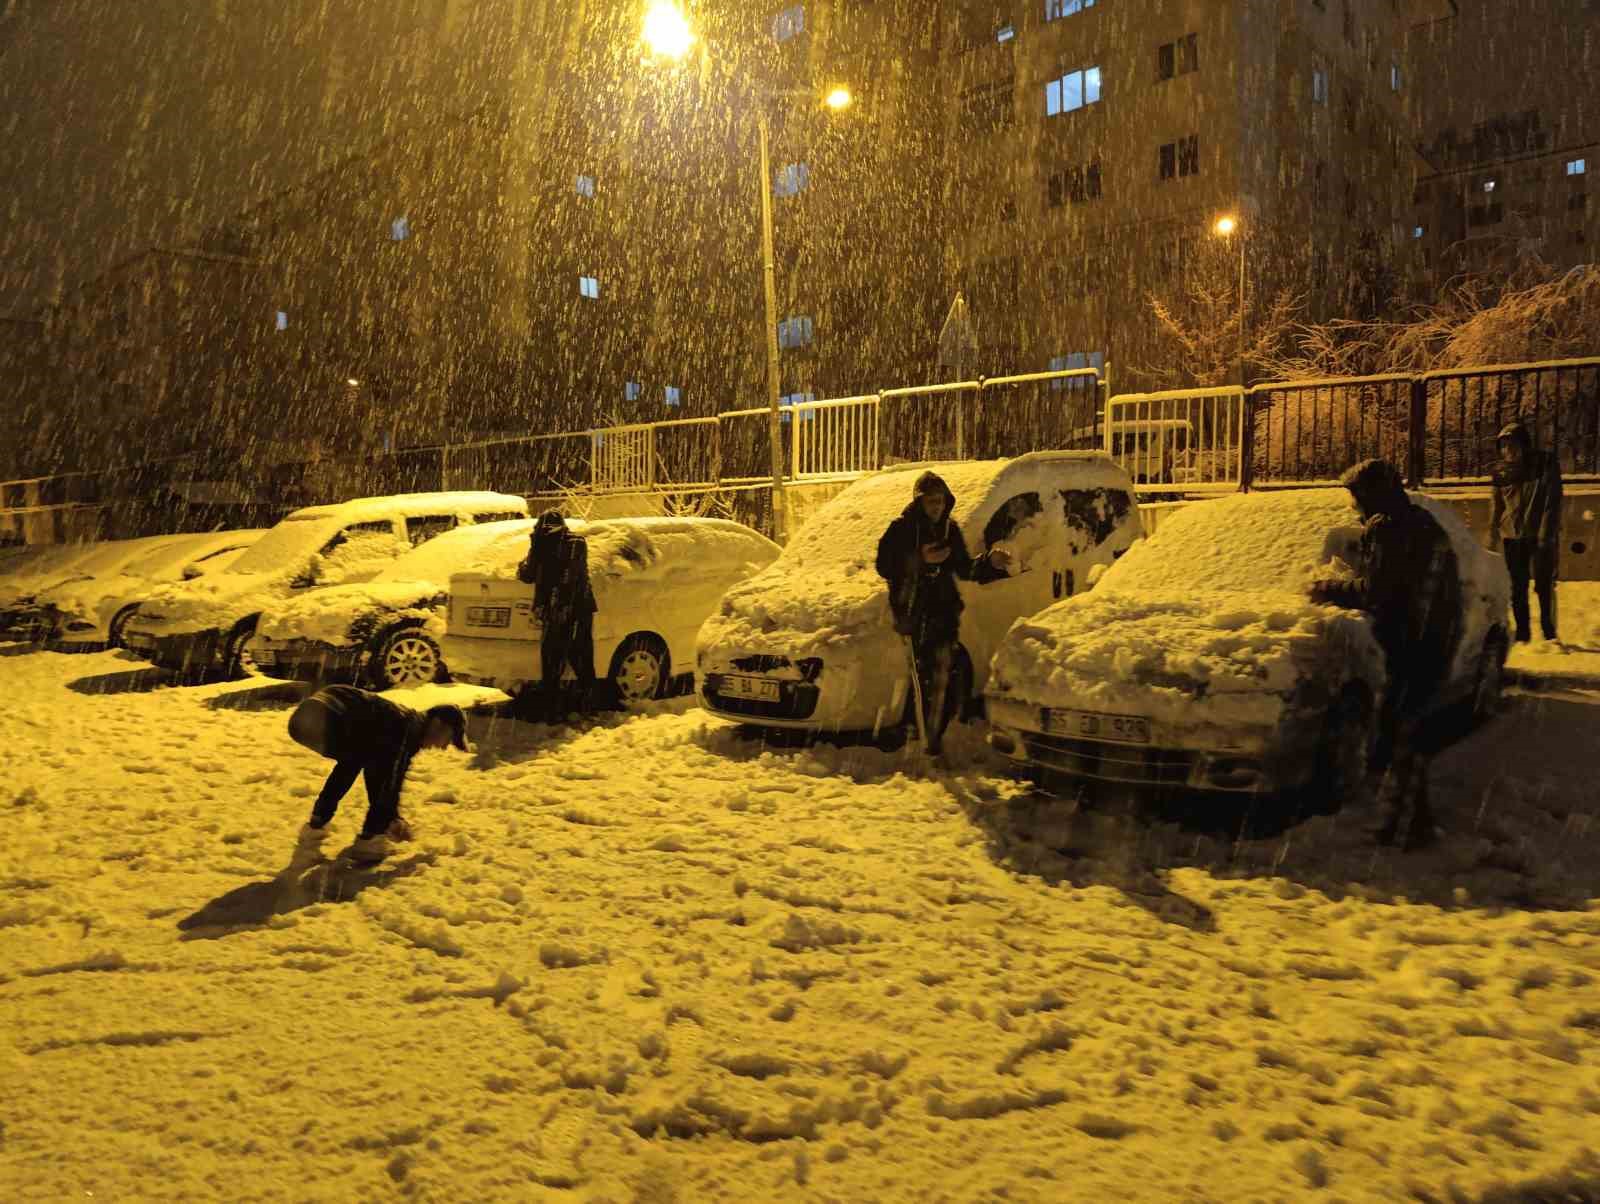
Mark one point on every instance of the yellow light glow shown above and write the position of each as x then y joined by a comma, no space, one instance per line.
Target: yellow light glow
666,30
1226,226
839,98
352,381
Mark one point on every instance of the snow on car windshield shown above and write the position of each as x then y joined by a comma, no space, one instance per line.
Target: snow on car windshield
479,548
287,545
1242,542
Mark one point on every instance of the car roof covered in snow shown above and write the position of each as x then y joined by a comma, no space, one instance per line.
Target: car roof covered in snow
627,545
447,502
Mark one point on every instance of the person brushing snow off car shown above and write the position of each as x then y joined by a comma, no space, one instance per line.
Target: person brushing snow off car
920,555
364,734
1525,525
1407,580
557,566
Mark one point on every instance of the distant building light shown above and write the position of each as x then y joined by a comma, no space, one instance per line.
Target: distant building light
792,178
352,382
589,286
281,322
1395,77
1417,231
1488,185
1577,167
789,22
586,186
1005,33
630,391
400,229
674,395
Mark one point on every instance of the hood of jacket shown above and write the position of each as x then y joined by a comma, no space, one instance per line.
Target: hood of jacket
929,482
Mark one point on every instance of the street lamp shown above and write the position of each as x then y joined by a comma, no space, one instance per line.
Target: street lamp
666,30
1225,227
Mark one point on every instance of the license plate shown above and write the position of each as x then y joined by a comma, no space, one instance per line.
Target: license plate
264,657
488,616
757,688
1093,725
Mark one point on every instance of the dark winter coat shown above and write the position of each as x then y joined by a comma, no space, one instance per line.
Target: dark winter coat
923,597
557,566
1527,502
380,736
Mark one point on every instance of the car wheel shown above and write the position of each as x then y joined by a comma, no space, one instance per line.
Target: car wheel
639,670
1491,678
236,662
119,625
1345,751
404,658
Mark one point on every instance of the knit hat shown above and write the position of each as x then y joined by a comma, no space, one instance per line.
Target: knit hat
455,719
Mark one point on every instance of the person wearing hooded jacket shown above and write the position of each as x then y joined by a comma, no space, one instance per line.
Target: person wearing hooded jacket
921,555
1525,526
1409,581
557,566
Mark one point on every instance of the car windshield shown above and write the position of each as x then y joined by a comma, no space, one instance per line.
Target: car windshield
108,558
457,551
288,545
165,560
1243,542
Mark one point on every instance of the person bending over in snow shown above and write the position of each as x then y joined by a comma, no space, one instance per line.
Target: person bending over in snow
921,555
1407,580
557,566
1525,524
364,734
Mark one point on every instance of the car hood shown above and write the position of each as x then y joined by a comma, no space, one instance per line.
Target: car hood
218,600
774,611
1187,660
350,613
87,597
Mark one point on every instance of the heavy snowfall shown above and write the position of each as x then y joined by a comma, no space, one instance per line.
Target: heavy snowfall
645,957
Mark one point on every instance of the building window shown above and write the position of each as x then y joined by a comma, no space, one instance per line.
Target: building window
1488,185
586,186
1577,167
631,391
792,177
790,22
1417,231
674,395
1578,200
1005,33
1077,359
1319,86
589,286
400,229
1055,9
281,321
1395,77
1177,58
1072,91
794,399
1073,185
987,106
1180,158
795,332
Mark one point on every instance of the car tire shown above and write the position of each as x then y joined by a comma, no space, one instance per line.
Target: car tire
403,658
236,662
640,669
118,627
1490,678
1344,753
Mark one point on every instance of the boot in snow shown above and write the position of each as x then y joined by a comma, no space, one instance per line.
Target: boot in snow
369,850
308,846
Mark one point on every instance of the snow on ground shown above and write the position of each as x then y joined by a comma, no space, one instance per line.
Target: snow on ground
647,960
1576,658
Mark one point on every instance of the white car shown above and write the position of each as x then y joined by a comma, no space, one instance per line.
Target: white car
27,570
25,617
95,610
197,625
655,580
810,643
1199,661
386,631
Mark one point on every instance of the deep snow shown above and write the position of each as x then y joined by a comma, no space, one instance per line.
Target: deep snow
645,960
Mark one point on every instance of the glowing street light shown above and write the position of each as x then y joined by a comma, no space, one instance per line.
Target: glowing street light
1225,226
666,30
839,98
352,382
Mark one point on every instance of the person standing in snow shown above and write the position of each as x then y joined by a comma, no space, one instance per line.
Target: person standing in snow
1409,582
364,734
920,556
1525,525
557,566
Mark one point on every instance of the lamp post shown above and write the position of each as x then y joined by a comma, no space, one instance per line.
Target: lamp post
667,34
1227,226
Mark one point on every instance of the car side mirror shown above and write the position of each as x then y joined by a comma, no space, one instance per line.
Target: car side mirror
192,571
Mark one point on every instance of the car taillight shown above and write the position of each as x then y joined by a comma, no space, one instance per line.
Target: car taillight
810,667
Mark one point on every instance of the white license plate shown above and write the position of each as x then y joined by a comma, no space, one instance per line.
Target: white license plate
757,688
488,616
264,657
1094,725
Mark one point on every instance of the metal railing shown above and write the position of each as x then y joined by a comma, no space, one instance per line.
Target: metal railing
1179,440
833,438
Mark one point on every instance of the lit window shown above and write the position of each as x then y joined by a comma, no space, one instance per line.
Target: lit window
1005,33
589,286
630,391
1076,360
1055,9
674,395
1395,78
1180,158
400,229
1072,91
792,177
1417,232
795,332
1319,86
281,322
1488,185
789,22
586,186
1576,167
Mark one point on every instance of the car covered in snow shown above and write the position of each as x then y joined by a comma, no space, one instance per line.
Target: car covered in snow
1199,661
23,616
655,580
385,631
810,643
194,626
96,609
26,570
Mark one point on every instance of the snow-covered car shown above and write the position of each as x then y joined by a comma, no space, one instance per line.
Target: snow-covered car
1200,662
26,571
385,631
810,643
95,610
23,616
655,580
197,625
